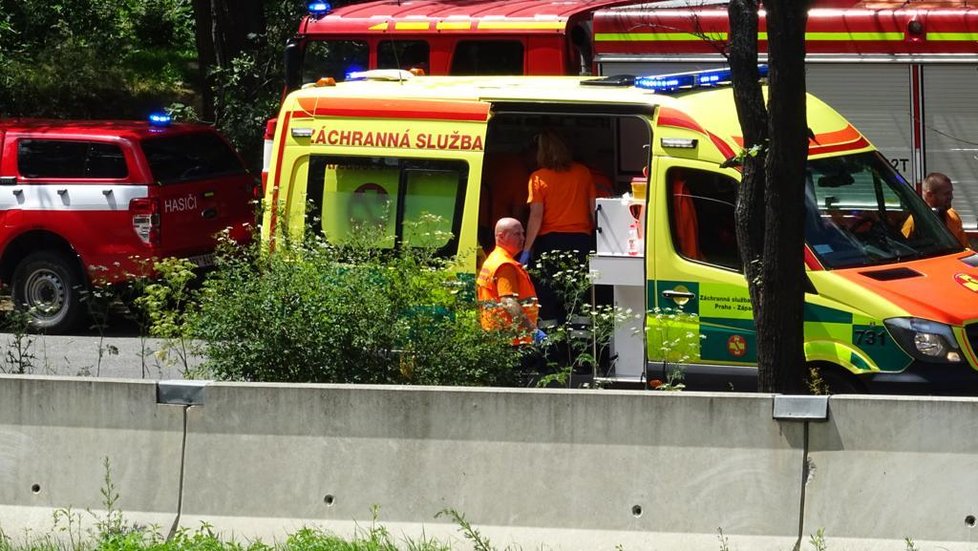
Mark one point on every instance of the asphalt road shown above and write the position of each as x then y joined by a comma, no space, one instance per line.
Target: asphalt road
115,351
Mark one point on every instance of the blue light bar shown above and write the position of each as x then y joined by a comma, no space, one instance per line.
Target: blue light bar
319,9
160,120
692,79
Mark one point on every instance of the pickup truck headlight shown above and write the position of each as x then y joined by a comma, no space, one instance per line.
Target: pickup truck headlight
924,339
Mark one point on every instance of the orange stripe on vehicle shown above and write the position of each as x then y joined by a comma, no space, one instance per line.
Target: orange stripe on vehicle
861,143
276,180
847,134
398,109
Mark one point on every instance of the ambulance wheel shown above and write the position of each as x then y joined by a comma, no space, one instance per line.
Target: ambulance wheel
48,287
838,381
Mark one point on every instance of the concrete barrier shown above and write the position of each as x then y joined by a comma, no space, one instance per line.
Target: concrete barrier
552,468
572,469
55,435
885,468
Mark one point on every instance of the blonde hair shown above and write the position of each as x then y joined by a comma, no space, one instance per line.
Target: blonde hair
552,152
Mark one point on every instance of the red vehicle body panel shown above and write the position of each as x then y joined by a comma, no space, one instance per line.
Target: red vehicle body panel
841,27
542,27
93,216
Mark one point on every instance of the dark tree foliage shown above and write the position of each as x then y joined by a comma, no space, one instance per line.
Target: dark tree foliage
770,207
93,58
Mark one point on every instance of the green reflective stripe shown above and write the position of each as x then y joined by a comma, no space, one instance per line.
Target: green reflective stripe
858,362
742,324
657,37
823,314
868,36
717,345
875,341
950,37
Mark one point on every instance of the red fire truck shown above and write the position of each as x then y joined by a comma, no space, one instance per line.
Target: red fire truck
903,71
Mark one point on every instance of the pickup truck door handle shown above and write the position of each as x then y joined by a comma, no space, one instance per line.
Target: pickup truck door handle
677,294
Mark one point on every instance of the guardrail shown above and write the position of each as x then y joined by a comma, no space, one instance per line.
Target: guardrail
568,469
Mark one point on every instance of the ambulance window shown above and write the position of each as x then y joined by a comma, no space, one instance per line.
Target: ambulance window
334,58
403,54
488,57
70,159
701,216
389,202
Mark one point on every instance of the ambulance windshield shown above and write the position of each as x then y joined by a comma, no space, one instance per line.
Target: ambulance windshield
860,212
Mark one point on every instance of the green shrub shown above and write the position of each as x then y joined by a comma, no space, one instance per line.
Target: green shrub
320,313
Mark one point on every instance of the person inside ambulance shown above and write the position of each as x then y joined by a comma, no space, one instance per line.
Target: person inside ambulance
561,198
938,192
504,192
504,289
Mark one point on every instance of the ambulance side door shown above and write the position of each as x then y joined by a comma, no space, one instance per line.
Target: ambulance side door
700,328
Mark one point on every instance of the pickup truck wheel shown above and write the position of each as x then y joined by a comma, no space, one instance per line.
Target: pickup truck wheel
48,287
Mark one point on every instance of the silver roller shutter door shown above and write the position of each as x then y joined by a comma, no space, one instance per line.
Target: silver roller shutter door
876,100
951,132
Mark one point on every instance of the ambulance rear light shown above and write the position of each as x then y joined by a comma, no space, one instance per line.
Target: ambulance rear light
694,79
270,129
146,219
319,9
325,82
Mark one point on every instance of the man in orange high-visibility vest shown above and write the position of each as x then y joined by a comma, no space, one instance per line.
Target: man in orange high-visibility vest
504,289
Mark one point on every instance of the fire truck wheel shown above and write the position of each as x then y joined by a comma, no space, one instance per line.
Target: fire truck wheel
48,286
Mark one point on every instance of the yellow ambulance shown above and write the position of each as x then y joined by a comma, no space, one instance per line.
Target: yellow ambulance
884,312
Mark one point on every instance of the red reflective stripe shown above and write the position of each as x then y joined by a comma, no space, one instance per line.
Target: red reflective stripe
724,148
276,183
397,109
811,262
678,119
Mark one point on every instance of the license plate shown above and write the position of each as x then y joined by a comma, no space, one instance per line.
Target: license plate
203,260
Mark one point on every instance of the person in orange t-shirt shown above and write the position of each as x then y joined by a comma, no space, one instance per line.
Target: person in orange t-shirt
561,197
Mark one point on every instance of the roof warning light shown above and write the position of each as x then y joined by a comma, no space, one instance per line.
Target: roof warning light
319,9
693,79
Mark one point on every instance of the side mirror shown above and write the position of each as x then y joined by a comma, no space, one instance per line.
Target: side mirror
293,64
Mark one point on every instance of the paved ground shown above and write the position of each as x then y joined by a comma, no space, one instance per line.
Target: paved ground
121,356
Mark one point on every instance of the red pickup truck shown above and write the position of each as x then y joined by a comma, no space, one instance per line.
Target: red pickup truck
85,202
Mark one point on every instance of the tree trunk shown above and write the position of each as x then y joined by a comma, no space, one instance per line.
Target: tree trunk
206,56
224,29
773,185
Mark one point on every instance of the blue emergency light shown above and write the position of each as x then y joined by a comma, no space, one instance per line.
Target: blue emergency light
319,9
160,120
692,79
